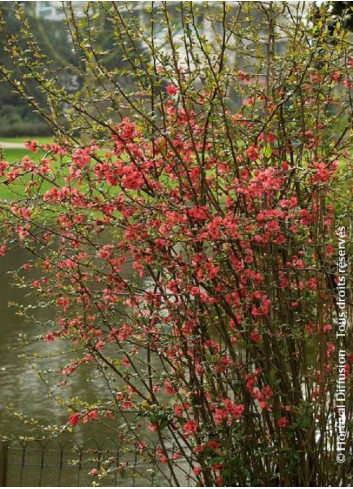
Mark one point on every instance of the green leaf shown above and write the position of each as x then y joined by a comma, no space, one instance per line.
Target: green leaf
268,151
163,424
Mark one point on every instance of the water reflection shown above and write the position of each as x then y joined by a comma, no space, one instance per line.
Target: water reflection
21,386
26,391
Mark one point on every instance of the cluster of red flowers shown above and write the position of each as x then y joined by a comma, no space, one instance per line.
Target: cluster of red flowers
228,246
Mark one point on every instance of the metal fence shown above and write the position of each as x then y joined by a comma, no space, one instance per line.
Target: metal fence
52,464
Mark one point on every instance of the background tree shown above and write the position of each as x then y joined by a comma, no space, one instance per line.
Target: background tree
17,115
63,58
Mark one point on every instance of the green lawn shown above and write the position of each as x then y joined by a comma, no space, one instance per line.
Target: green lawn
12,155
21,140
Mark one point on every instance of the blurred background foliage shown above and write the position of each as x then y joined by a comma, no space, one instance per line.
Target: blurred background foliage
54,27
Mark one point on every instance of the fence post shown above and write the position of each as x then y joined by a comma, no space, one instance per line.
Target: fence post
4,446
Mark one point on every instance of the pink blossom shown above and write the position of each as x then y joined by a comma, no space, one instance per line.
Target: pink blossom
74,419
190,427
282,422
172,90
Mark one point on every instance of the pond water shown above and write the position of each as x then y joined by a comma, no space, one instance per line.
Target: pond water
21,386
24,391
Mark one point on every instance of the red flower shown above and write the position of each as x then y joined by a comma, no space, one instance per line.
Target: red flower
81,157
196,470
255,336
282,422
197,213
133,180
74,419
190,427
172,90
31,145
169,389
93,414
3,166
252,153
237,410
49,337
215,445
336,76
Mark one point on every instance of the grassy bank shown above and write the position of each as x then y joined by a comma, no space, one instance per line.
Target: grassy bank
21,140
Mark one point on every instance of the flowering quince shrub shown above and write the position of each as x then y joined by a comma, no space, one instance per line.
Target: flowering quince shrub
223,342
